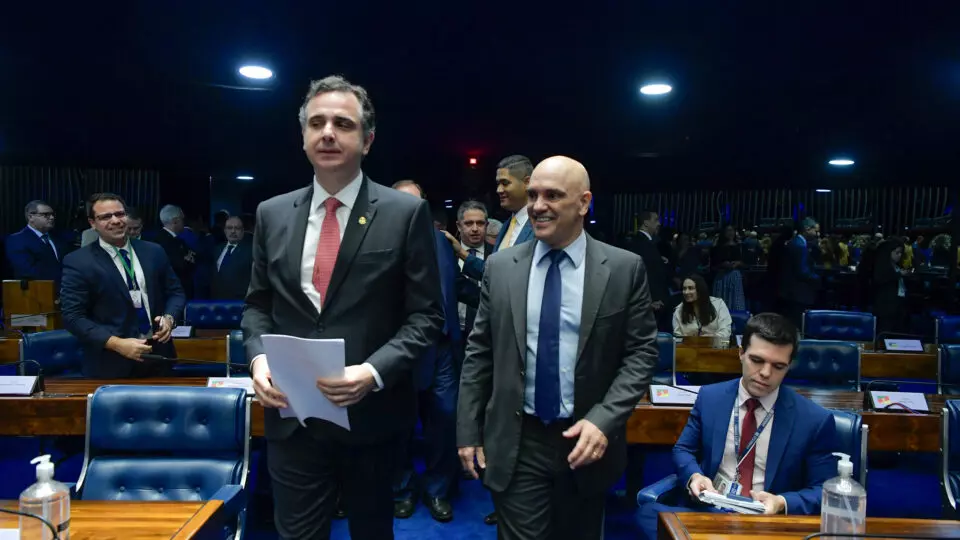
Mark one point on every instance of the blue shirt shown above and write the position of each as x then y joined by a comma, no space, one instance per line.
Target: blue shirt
571,306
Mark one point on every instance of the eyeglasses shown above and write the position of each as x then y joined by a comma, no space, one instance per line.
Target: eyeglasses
107,217
48,215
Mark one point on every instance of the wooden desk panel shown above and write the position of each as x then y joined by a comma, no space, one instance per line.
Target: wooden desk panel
694,526
213,349
9,350
128,520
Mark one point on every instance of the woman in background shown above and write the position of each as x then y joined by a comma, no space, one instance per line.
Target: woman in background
701,314
727,260
889,290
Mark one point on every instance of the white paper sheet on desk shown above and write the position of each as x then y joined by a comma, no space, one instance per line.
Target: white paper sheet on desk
9,534
295,365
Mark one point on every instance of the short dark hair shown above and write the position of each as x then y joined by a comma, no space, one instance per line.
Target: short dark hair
519,166
32,207
471,205
101,197
774,328
647,214
402,183
337,83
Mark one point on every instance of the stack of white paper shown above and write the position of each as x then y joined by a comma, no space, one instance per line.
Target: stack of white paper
295,365
726,503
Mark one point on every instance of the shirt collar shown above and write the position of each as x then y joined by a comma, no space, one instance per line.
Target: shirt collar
347,196
111,249
577,250
645,233
767,401
521,216
803,239
173,234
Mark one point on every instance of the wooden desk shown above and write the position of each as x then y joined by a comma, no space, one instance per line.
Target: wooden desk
879,365
62,411
214,349
692,526
129,520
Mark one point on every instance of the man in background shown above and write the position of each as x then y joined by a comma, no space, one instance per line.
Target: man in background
799,283
232,262
32,252
645,245
493,231
182,258
472,227
134,224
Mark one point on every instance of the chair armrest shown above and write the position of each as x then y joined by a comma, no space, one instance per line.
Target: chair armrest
234,498
656,490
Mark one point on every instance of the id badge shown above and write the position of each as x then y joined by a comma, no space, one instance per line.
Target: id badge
733,490
136,298
724,484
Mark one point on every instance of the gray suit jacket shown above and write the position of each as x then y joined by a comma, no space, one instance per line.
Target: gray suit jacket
383,300
616,358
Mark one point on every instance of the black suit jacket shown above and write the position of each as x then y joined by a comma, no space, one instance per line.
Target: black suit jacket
177,251
657,273
96,305
383,300
30,258
232,279
617,355
798,282
468,291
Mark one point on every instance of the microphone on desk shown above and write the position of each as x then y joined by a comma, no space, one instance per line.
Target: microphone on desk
876,341
868,402
40,386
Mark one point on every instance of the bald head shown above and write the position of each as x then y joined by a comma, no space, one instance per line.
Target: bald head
558,199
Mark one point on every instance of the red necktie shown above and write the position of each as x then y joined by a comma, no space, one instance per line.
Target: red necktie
747,430
327,248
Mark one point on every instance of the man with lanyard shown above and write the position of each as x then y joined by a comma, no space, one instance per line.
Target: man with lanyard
119,297
752,437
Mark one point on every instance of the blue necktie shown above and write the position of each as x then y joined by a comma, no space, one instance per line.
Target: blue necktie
143,319
226,256
46,240
547,384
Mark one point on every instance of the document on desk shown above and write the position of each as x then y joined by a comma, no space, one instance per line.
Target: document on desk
295,365
9,534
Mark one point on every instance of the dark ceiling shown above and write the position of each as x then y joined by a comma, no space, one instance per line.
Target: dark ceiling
765,92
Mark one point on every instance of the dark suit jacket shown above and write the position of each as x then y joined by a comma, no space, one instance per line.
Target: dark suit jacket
798,282
232,280
617,355
658,276
799,458
450,335
383,300
177,250
96,304
473,266
30,258
886,287
468,289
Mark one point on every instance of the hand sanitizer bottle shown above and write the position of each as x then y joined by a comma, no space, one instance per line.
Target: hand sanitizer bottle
844,506
47,499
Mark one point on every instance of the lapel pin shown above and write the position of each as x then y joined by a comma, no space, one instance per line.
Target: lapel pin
362,220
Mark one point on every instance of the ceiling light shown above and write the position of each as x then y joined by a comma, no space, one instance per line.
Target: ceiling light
656,89
821,190
244,177
256,72
841,162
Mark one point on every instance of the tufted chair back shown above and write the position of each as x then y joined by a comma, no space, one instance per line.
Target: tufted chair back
56,350
740,319
825,365
214,314
839,325
948,329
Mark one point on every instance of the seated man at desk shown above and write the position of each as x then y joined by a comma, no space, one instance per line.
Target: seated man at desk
754,437
114,291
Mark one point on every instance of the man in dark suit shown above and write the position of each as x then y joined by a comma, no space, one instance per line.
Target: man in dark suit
658,272
32,252
182,258
231,263
112,290
342,258
783,441
472,226
436,379
799,283
563,348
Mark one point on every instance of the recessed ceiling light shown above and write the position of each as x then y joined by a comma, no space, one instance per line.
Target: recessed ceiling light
821,190
256,72
244,177
841,162
656,89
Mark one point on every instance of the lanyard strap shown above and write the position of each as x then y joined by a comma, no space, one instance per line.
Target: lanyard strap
753,440
128,268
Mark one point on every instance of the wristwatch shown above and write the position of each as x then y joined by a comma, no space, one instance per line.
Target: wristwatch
173,322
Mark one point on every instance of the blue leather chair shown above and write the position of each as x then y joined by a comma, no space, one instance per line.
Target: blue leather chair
948,329
666,359
214,314
825,365
950,458
839,325
236,355
158,443
851,433
948,369
57,351
740,319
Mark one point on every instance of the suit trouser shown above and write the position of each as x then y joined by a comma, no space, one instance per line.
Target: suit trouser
306,472
542,501
438,418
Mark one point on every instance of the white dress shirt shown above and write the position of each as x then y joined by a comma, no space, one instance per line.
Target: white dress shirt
728,465
137,270
522,217
461,307
571,305
721,326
